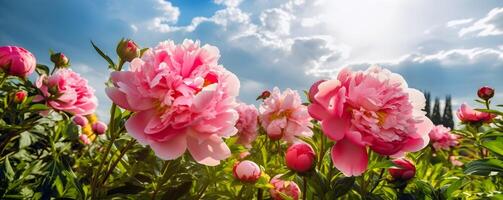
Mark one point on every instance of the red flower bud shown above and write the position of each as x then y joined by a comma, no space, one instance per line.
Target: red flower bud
128,50
403,171
20,96
300,157
60,60
485,92
246,171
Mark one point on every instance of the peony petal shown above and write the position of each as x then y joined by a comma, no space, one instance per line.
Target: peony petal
170,149
317,111
136,124
209,151
335,128
349,158
118,98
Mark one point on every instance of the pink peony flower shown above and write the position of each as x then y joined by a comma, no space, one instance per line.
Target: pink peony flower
80,120
99,128
20,96
181,99
66,91
466,114
284,117
246,124
300,157
246,171
17,61
442,138
373,108
288,188
403,171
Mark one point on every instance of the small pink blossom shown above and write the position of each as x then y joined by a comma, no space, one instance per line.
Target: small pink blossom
373,108
442,138
467,114
80,120
246,124
84,139
284,117
99,127
288,188
17,61
182,99
454,161
67,91
246,171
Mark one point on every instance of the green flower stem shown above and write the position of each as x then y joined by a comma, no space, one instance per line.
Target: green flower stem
113,137
260,194
114,164
304,188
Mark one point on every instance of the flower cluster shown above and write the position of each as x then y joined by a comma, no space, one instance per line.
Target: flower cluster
373,108
442,138
181,98
284,117
247,124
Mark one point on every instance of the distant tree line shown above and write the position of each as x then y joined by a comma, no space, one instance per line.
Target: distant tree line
437,117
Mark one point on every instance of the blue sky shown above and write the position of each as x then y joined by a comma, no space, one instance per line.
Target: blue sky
446,47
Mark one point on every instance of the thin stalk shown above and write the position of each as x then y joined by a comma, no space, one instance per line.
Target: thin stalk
260,194
114,164
304,188
163,178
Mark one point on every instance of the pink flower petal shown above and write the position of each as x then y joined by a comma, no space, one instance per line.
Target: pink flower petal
170,149
349,158
209,151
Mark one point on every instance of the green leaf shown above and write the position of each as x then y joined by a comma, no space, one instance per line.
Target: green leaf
111,63
484,167
453,187
177,192
128,188
42,70
9,172
495,146
382,164
38,107
343,185
490,111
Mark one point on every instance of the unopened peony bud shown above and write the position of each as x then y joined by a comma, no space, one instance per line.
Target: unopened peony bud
100,128
288,188
84,139
20,96
128,50
314,89
485,93
403,171
246,171
80,120
265,94
300,157
59,60
17,61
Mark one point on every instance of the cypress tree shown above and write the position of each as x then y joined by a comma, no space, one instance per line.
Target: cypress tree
427,107
436,117
447,119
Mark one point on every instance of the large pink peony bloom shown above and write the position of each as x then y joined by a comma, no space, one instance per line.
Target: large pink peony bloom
372,108
182,99
284,117
467,114
17,61
247,124
67,91
442,138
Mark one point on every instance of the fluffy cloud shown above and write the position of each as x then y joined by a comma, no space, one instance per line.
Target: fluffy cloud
490,25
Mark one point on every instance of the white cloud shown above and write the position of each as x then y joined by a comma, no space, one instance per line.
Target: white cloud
276,22
491,24
228,3
459,22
